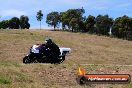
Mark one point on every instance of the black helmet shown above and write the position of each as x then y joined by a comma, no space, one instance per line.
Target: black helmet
48,41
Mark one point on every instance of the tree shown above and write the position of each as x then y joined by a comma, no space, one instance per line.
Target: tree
74,24
68,17
4,24
103,24
64,20
122,25
39,16
53,19
89,24
24,22
14,23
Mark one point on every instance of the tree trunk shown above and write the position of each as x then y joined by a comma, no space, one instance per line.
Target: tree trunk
40,25
54,27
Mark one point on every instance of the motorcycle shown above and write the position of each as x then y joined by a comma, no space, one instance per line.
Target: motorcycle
35,55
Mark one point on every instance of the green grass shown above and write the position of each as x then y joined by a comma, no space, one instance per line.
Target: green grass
9,64
4,80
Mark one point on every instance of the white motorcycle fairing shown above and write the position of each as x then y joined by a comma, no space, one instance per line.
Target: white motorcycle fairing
35,49
63,49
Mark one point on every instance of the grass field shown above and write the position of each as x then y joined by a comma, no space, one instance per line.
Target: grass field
97,54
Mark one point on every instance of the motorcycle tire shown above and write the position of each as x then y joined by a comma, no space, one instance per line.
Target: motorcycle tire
26,60
61,60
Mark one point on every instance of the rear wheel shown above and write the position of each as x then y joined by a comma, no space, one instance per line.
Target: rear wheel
61,60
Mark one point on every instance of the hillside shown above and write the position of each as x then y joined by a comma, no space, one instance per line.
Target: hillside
97,54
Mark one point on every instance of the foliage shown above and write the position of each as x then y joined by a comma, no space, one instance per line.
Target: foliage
103,24
70,16
39,16
89,24
53,19
122,25
15,23
4,24
24,22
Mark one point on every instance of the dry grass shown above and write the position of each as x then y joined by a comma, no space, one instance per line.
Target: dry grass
86,49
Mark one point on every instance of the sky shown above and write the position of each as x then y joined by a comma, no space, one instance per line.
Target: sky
16,8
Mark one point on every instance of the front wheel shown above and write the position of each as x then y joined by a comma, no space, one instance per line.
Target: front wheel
26,60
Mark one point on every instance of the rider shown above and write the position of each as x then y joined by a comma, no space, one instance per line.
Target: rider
49,48
54,49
